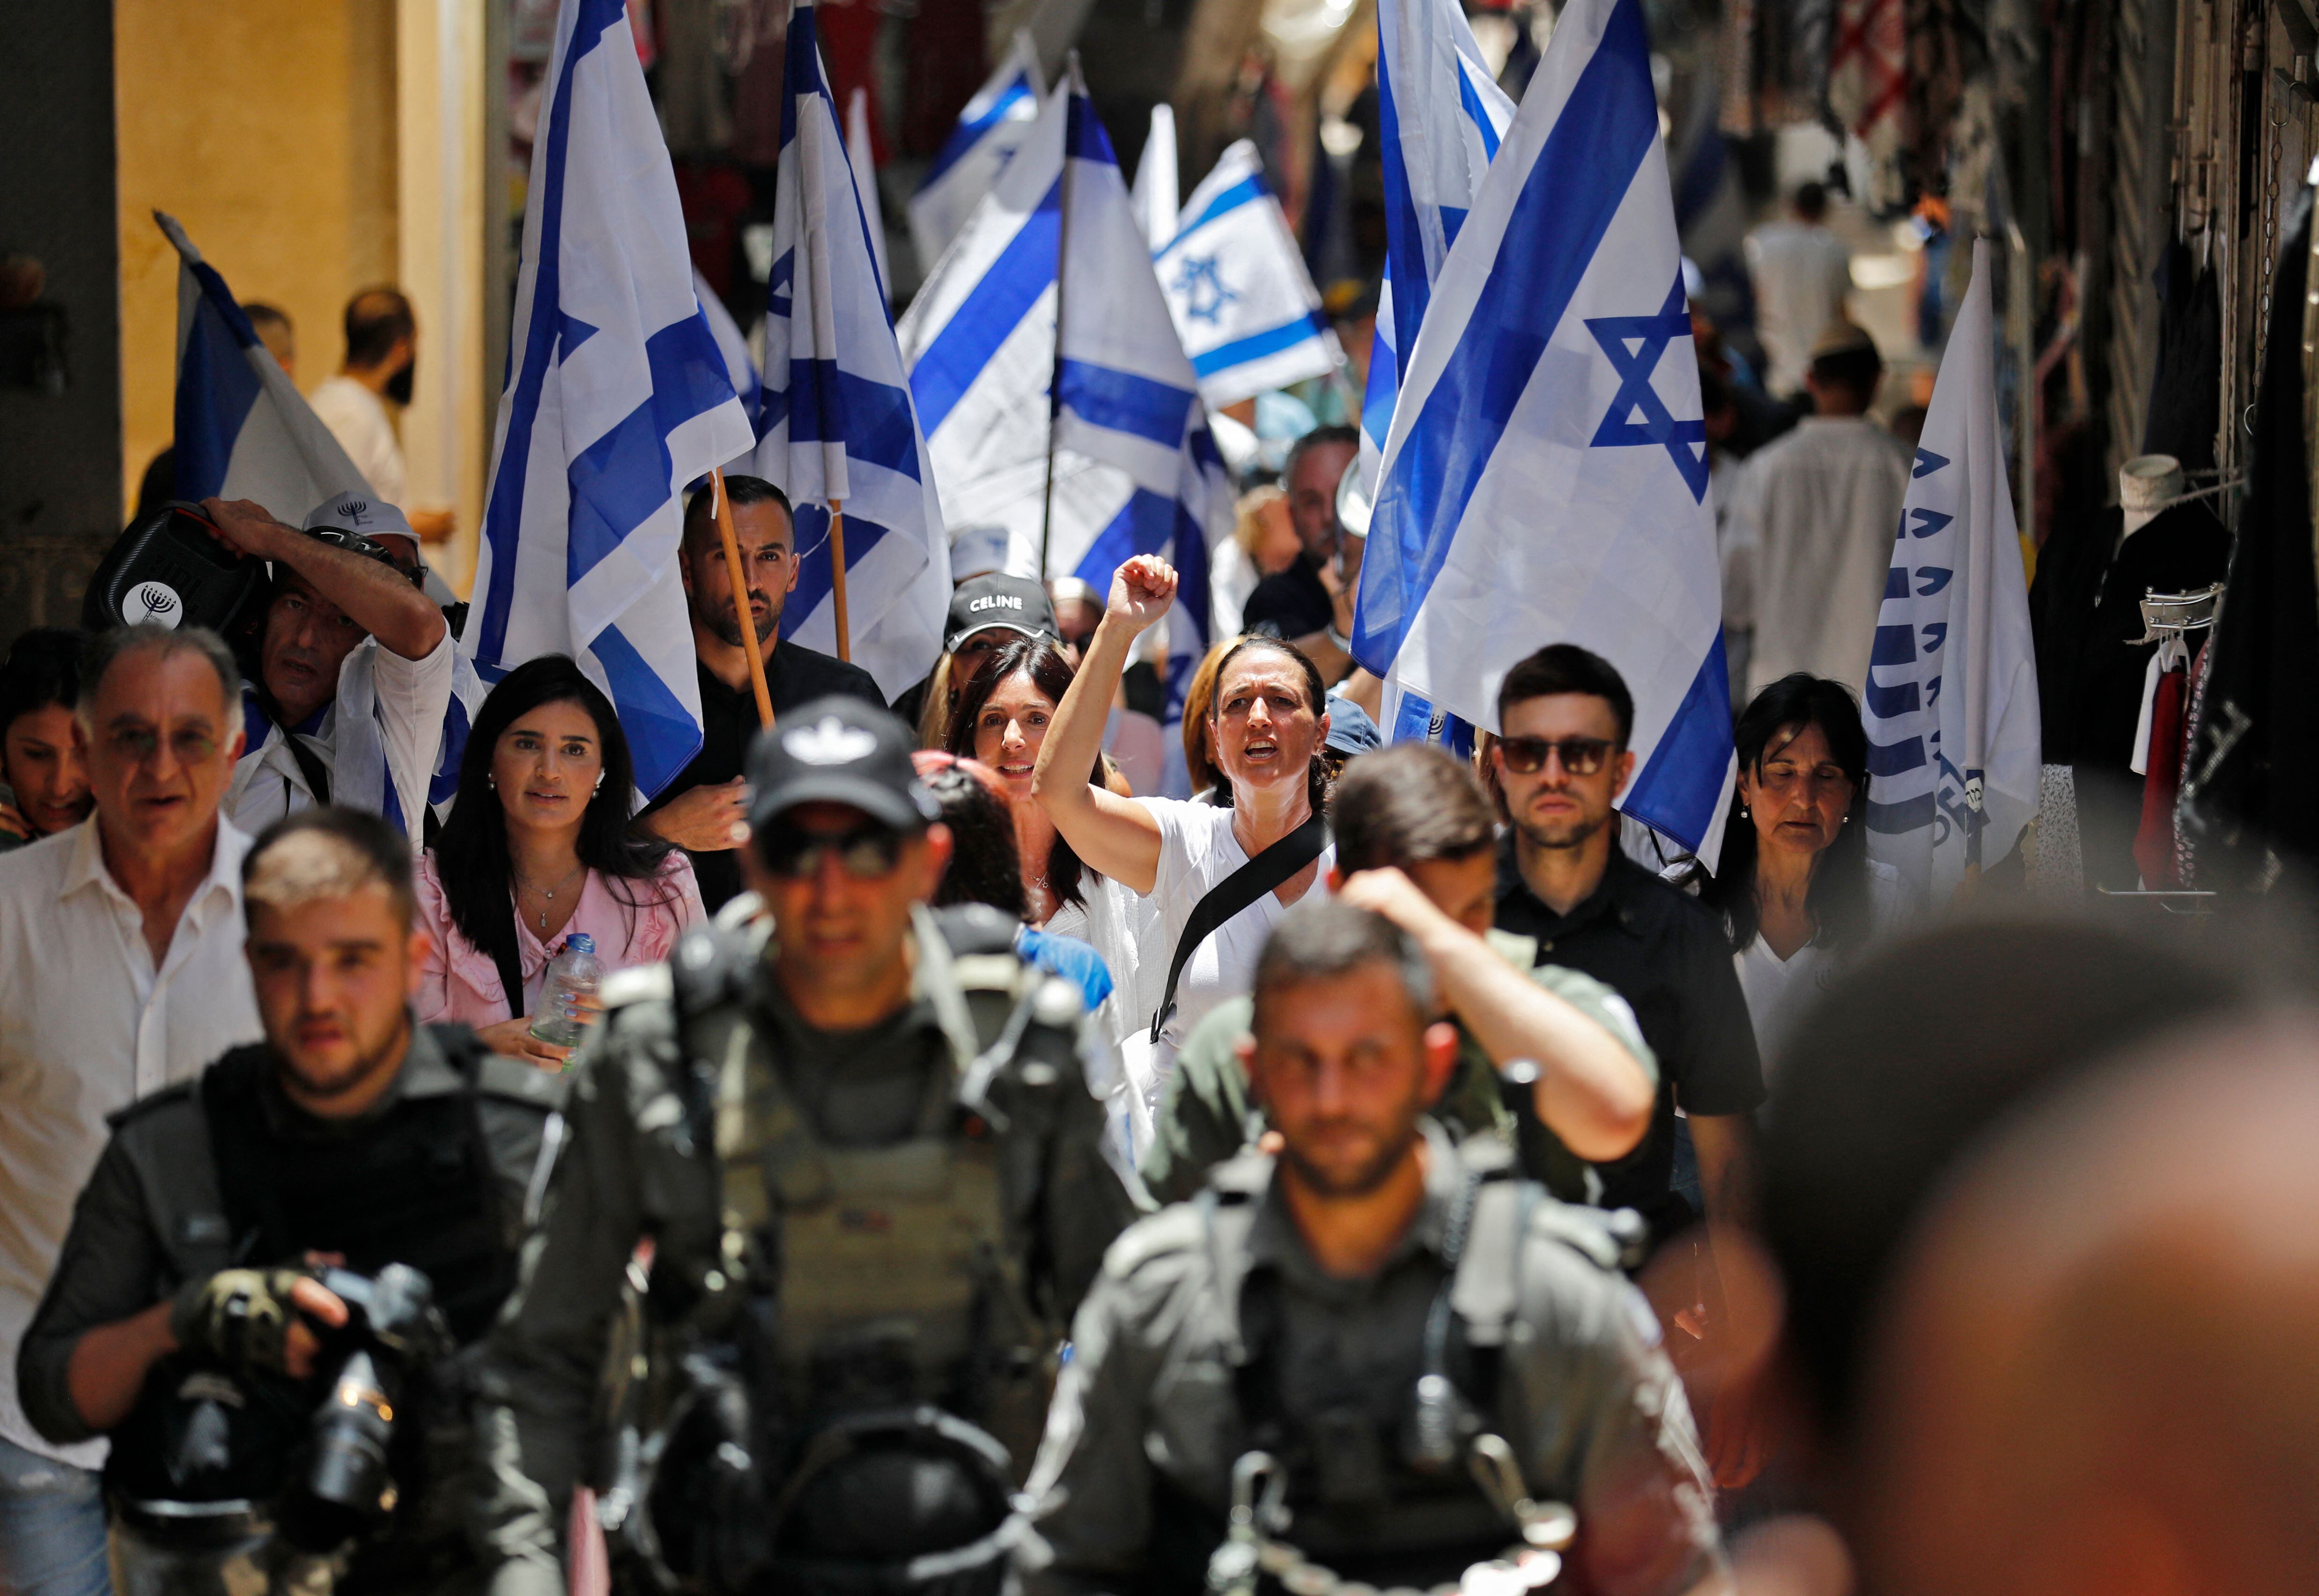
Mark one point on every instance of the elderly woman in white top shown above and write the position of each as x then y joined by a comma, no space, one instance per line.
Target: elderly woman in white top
1797,891
1268,721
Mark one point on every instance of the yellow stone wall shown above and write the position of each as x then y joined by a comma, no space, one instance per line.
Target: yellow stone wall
268,128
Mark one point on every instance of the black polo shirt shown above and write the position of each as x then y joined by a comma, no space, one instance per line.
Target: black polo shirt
1290,603
728,719
1669,958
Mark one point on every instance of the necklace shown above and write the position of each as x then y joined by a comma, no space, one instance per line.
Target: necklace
548,894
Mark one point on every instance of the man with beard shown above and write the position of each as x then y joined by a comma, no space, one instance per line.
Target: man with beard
701,810
351,1135
1350,1338
381,364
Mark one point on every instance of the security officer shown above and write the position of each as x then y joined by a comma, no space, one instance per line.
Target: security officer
1384,1361
191,1317
863,1146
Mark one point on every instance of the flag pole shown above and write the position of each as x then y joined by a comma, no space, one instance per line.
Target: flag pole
1055,376
837,575
747,622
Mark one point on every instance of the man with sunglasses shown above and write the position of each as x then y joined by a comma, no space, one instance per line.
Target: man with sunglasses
1560,763
352,672
861,1136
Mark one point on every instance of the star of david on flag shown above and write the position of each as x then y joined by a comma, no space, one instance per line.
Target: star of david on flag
1201,285
1650,336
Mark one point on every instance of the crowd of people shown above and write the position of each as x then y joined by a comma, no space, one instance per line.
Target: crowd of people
1005,1151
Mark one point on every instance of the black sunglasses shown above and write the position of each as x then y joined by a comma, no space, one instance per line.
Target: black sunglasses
867,853
1580,756
355,543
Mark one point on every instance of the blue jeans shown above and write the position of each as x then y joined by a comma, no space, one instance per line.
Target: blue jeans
51,1526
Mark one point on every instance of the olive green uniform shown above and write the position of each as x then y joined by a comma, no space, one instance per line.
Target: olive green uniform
878,1192
1206,1116
1212,1332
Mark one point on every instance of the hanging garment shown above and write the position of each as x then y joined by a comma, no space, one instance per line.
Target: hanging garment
2256,761
2186,383
2153,843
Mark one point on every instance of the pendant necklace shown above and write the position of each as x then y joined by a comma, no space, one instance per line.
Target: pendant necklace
549,894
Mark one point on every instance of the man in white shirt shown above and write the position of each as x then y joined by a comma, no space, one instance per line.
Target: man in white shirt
1802,273
353,666
380,364
1813,518
120,973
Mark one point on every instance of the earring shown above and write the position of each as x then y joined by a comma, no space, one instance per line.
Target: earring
491,781
1743,811
599,782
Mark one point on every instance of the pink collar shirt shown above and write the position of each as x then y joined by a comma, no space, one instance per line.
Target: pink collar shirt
459,981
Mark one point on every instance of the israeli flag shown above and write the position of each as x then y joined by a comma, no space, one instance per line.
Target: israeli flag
837,427
731,342
1441,117
244,431
1545,479
967,166
1950,699
1244,305
616,397
1135,470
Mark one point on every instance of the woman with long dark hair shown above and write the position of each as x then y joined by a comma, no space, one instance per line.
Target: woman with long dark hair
537,849
1796,889
1002,719
1268,721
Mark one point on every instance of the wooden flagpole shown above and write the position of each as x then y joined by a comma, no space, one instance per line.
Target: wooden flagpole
837,575
748,622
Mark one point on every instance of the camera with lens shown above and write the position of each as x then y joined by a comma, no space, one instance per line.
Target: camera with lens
343,1482
225,1481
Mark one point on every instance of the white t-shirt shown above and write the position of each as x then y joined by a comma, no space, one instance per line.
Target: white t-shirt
357,418
1198,850
1778,991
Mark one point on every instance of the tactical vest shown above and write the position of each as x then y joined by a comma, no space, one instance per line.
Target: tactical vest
892,1275
418,1188
1395,1506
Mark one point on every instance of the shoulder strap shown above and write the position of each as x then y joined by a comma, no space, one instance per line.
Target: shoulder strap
1235,892
310,764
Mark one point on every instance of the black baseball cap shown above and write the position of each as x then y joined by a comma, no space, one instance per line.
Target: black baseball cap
1014,603
838,750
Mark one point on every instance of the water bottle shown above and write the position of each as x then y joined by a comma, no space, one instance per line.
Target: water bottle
573,975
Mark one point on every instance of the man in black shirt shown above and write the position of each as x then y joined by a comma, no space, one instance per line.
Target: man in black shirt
1296,603
701,810
1561,761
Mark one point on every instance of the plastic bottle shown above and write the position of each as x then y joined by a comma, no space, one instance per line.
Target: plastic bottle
573,975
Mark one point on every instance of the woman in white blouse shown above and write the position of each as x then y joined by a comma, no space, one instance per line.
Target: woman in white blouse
1267,720
1797,891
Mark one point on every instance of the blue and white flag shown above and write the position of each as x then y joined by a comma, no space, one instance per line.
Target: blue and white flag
1545,479
616,397
244,431
966,167
1244,306
1442,116
837,426
1136,471
1950,699
731,343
